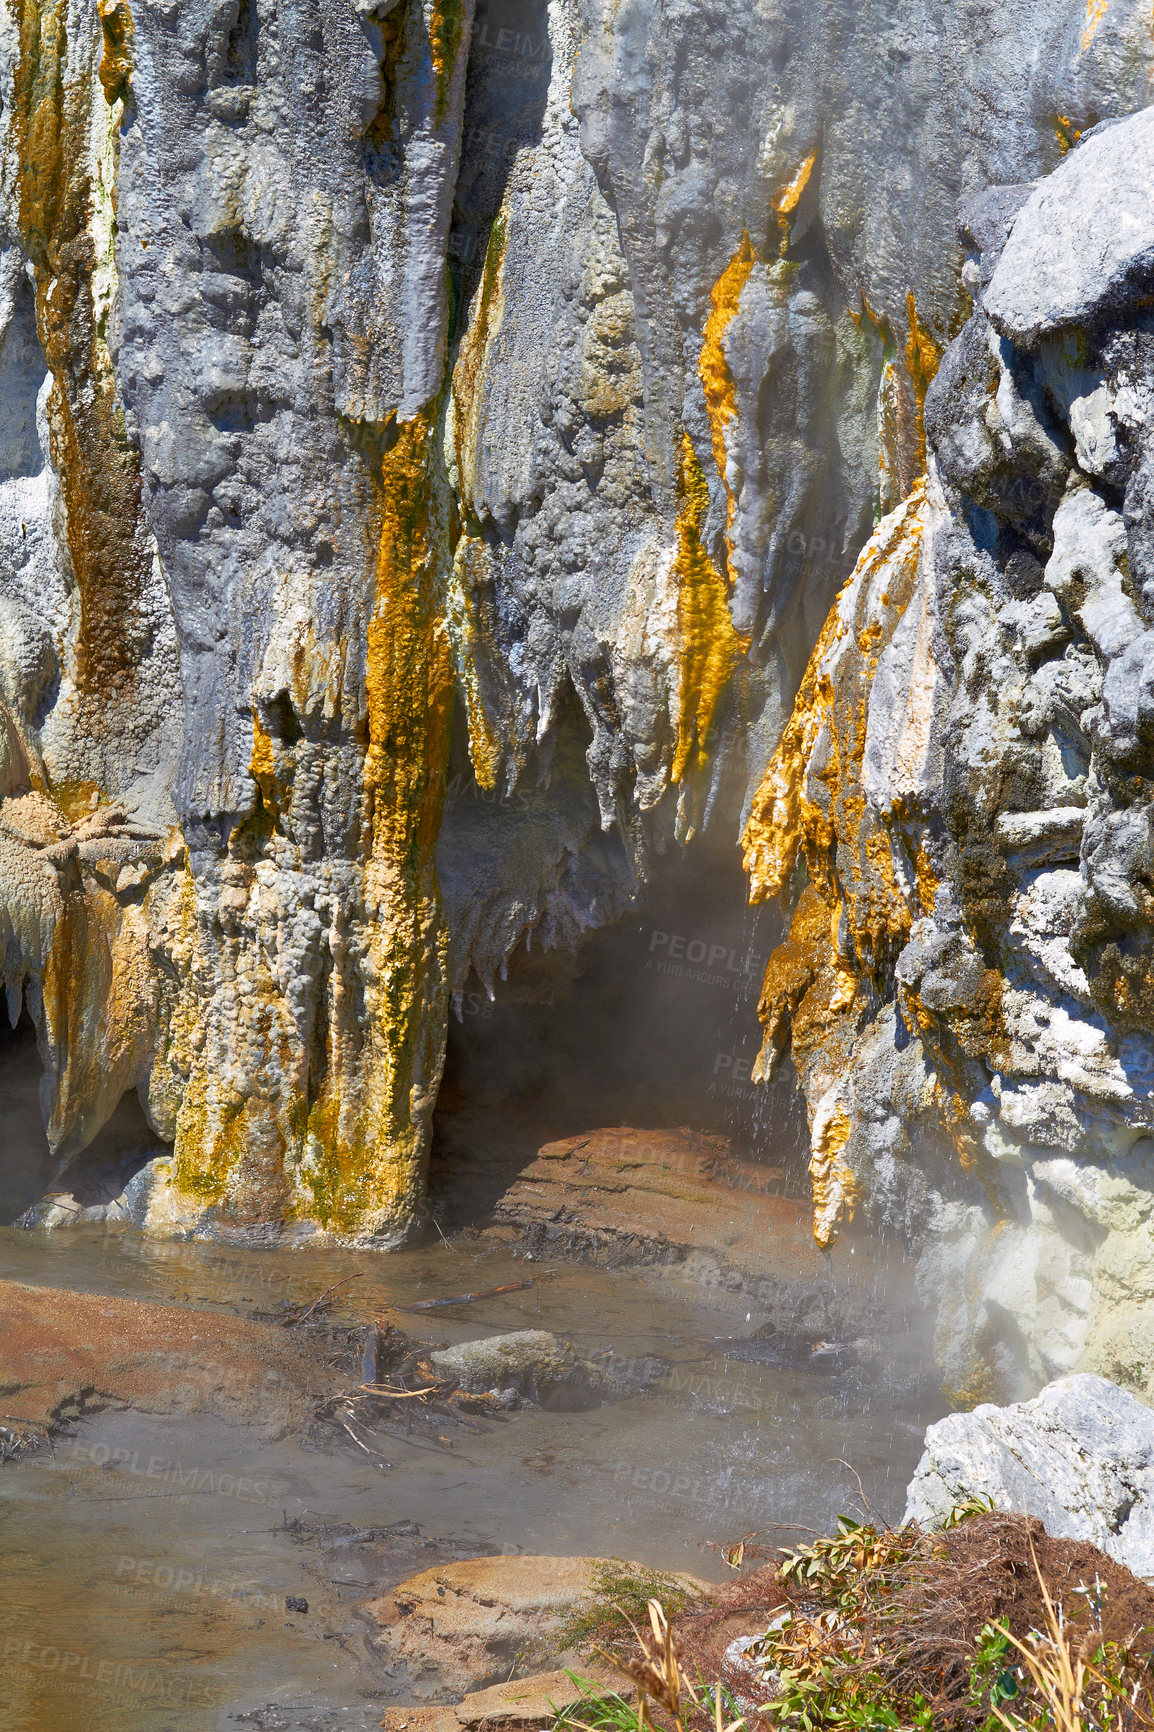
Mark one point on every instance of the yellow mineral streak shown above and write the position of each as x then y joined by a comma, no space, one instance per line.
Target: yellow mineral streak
904,379
807,990
61,167
445,21
788,199
785,819
854,914
367,1134
835,1191
1095,12
473,357
1066,133
119,32
263,760
716,378
331,1128
99,994
472,641
709,644
470,583
925,878
923,358
790,972
782,815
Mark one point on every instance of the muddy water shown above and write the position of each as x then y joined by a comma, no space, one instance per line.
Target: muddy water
144,1565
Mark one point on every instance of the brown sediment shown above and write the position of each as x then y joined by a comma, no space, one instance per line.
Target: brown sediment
63,1352
99,472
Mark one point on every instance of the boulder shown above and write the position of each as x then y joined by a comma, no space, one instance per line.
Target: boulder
1079,1456
517,1702
532,1363
461,1627
1083,243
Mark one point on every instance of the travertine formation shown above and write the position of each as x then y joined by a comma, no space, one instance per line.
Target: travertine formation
967,775
402,392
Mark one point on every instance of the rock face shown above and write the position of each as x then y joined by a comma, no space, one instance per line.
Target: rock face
419,394
967,776
1080,1457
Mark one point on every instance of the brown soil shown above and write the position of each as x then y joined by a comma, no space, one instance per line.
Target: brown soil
64,1353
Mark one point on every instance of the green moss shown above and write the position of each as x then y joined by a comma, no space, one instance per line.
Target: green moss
621,1596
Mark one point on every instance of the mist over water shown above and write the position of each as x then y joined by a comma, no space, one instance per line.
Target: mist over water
168,1544
156,1550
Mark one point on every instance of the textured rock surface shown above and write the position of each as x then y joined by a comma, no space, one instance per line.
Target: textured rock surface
1080,1457
533,1363
403,395
463,1626
967,776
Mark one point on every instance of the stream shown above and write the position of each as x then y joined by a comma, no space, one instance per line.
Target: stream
147,1559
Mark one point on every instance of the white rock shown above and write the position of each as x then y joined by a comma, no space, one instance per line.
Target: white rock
1080,1457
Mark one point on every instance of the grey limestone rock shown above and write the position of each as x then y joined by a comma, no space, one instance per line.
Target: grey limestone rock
1080,1457
1082,246
999,1101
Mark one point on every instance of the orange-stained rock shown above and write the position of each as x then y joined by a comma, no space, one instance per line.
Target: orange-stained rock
62,1351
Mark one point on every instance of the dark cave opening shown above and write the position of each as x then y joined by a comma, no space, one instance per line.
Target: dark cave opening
28,1163
29,1169
653,1024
